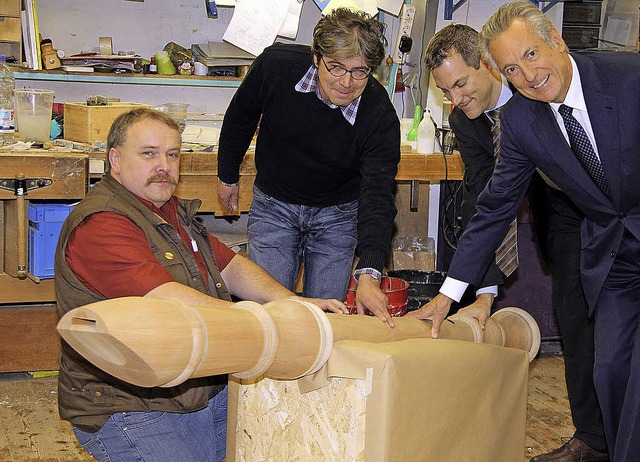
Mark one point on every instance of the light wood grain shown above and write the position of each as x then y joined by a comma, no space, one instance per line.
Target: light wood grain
30,427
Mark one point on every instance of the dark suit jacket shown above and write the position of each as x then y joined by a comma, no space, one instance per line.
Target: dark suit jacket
475,143
531,138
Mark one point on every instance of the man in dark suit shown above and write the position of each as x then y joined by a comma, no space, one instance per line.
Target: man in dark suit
602,90
475,88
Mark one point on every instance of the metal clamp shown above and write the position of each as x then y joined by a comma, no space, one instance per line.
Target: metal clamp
20,186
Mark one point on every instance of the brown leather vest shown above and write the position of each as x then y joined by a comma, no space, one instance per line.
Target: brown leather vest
88,396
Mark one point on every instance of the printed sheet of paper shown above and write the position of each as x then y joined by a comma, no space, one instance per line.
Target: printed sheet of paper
368,6
256,23
618,30
226,2
289,28
391,6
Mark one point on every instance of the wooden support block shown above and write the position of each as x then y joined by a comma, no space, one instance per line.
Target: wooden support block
29,338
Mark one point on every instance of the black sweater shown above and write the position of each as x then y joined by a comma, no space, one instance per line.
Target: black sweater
308,154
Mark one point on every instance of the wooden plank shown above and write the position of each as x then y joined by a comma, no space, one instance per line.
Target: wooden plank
205,188
14,290
430,167
30,420
548,413
206,163
11,235
29,338
69,172
10,8
1,238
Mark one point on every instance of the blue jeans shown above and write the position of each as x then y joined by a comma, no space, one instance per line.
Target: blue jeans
282,236
161,436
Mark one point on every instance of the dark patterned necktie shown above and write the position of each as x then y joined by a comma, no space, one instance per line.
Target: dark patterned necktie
494,115
507,253
582,148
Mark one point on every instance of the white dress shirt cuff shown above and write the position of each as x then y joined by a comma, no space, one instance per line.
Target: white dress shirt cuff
453,288
488,290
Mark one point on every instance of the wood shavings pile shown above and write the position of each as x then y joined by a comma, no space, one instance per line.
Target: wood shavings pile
278,423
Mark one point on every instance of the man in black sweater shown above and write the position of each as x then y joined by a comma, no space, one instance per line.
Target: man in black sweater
326,157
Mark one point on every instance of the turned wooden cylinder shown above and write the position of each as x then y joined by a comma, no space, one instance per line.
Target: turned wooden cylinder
163,342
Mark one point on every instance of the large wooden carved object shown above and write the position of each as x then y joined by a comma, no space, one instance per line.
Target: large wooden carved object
163,342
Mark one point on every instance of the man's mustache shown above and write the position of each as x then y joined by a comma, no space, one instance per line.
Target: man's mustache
161,177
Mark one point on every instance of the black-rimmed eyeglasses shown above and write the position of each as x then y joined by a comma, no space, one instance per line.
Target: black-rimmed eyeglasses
358,73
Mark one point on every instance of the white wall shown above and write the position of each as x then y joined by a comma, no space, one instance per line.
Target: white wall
146,27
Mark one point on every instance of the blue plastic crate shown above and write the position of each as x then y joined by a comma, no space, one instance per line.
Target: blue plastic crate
45,224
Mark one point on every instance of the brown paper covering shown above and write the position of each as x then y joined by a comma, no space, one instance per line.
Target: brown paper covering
419,400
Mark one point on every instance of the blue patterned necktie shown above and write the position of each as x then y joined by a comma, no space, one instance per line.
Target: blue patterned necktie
582,148
507,253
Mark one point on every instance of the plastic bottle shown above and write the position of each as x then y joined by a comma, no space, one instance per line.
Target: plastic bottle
426,135
7,107
417,115
153,66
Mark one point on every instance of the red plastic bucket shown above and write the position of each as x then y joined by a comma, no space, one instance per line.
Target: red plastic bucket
395,289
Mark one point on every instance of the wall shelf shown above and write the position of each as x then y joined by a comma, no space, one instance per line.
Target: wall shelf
128,79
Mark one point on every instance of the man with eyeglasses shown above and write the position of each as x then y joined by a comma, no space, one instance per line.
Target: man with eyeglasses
326,156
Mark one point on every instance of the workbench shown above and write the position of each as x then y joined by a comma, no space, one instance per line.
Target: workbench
29,340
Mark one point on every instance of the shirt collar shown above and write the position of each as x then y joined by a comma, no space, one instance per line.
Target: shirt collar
505,95
309,83
575,96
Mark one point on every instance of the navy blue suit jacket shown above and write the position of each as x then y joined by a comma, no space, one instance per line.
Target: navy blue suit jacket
475,143
531,138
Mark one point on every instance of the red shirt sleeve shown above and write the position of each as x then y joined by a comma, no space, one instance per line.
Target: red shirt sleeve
111,256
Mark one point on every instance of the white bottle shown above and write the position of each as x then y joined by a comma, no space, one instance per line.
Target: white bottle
7,108
426,135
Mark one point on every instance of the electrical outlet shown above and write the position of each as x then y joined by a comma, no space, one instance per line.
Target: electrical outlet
407,14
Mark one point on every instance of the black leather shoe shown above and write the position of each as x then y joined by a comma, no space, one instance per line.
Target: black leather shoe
573,450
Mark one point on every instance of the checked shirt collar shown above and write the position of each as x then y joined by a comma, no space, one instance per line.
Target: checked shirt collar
309,83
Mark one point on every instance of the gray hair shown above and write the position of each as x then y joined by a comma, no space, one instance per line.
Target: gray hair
502,19
120,126
345,33
454,38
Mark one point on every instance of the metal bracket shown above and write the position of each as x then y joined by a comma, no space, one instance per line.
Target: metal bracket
20,186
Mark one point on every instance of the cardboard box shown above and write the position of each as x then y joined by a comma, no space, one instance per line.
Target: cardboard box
418,400
91,124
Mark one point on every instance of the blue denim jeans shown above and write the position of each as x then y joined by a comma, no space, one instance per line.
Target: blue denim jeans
282,236
161,436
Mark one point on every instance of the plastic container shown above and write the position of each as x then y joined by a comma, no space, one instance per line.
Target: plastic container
165,66
178,112
426,141
395,289
45,224
7,107
33,111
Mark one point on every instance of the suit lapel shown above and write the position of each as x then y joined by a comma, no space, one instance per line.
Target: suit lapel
546,130
603,115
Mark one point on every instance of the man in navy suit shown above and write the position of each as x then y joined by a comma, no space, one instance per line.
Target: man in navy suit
475,88
603,91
